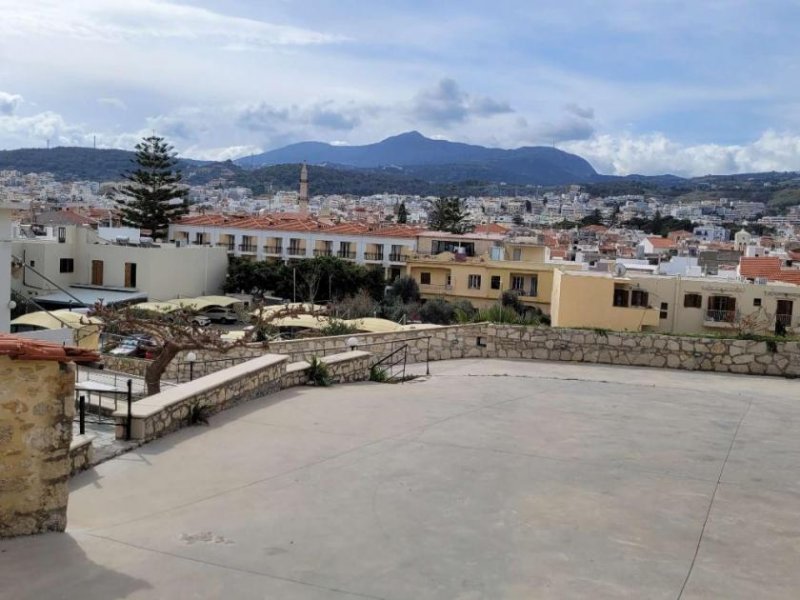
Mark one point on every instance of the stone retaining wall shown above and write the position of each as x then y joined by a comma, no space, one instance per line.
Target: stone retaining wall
546,343
176,407
81,453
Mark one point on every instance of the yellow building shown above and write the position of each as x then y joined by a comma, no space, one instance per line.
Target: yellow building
482,279
694,305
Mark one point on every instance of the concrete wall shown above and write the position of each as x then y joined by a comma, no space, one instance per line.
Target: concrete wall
36,409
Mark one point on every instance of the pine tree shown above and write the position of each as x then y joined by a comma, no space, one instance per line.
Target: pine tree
154,195
402,214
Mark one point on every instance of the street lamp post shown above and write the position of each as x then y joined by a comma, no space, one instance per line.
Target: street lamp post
191,357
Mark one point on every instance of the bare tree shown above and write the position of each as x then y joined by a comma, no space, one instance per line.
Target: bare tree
176,332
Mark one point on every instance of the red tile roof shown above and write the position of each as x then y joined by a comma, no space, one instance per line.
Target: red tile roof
491,228
767,267
296,222
663,243
27,349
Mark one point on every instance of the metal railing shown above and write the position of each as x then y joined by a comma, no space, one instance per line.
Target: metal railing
83,393
720,316
248,247
273,249
373,256
323,252
785,320
296,251
393,363
188,371
398,257
346,254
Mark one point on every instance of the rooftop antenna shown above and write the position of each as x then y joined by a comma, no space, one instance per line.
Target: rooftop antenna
48,143
94,142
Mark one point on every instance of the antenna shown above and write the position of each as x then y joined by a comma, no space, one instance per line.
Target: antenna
94,142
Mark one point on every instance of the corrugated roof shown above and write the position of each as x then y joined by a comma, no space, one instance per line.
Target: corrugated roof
26,349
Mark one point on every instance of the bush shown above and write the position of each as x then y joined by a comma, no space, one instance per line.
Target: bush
510,299
401,312
318,372
356,307
336,327
505,314
438,312
404,289
378,374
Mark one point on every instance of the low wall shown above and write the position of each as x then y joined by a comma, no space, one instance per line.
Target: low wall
81,453
486,340
173,408
36,410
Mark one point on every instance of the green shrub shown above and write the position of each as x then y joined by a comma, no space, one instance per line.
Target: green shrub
318,372
337,327
438,312
378,374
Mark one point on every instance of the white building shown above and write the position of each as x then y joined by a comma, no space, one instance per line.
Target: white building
64,256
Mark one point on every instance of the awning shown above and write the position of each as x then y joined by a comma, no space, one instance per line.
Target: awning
88,297
56,319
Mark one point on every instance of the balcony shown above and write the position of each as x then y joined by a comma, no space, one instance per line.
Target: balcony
229,245
250,248
273,250
346,254
296,251
398,257
719,318
434,290
373,256
323,252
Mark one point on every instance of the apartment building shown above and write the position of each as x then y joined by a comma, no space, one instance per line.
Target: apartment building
518,265
693,305
57,258
286,237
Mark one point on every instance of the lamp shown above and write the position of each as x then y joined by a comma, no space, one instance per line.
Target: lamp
11,305
352,343
190,358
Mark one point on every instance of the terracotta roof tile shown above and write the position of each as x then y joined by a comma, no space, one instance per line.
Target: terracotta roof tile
767,267
26,349
659,242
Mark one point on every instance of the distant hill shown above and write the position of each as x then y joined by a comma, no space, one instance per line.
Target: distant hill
439,161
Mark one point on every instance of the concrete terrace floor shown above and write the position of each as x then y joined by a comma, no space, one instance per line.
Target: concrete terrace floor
492,479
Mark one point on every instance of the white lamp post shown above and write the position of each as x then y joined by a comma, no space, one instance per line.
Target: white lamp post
352,343
191,357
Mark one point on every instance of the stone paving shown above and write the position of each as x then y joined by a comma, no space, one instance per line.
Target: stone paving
488,479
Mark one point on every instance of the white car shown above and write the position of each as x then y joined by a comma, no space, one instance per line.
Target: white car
201,320
220,315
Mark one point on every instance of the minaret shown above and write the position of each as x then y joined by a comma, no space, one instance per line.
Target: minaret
304,189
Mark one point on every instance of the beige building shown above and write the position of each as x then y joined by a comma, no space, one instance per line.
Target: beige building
518,266
694,305
64,256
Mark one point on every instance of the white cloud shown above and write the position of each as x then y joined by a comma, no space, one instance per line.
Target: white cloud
100,20
655,154
9,103
221,154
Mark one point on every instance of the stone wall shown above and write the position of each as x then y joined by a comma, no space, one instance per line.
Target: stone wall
577,345
81,453
36,410
176,407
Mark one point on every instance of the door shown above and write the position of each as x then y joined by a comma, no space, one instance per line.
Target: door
783,314
130,275
97,272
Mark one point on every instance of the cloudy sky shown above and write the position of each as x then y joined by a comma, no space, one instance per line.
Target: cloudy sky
635,86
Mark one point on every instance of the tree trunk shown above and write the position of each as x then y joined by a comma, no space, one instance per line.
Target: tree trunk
152,376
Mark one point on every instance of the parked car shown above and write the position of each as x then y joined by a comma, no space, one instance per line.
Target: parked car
138,346
221,315
201,320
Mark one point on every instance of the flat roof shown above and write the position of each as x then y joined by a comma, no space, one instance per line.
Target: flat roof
490,479
89,296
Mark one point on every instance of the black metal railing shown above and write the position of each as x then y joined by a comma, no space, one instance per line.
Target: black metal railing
323,252
96,414
273,249
393,364
188,371
346,254
297,251
785,320
373,255
398,257
720,316
248,247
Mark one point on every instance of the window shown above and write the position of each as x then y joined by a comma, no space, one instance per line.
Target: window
474,282
517,254
33,263
756,301
517,282
62,235
620,297
640,298
66,265
425,278
534,285
130,275
693,301
664,311
448,282
495,282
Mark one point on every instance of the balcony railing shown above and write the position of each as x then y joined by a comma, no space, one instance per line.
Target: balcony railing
273,249
248,248
346,254
296,251
398,257
720,316
785,320
373,256
229,245
323,252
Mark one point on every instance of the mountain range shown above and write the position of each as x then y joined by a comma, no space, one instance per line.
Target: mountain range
439,161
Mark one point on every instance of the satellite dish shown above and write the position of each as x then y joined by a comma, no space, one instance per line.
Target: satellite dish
620,270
